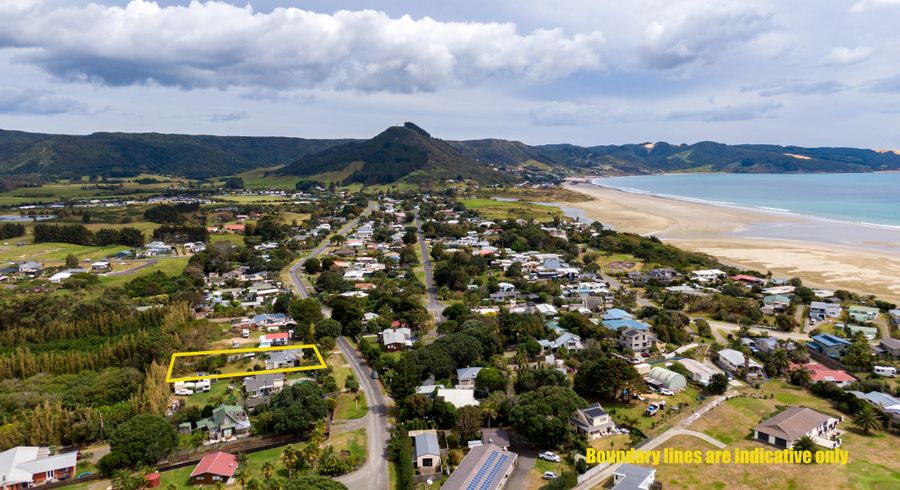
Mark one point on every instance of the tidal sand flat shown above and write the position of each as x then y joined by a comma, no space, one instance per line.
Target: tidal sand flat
825,253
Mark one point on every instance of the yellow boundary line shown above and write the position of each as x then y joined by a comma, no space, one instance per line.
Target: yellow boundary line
170,379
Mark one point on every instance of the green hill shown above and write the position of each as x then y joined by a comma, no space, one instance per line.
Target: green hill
405,152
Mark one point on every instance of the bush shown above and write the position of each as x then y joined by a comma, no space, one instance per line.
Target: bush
111,462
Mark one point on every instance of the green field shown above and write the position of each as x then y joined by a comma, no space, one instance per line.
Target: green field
77,190
251,199
171,266
264,178
52,251
337,176
503,210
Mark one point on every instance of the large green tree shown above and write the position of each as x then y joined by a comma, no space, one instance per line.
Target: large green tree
610,378
297,408
144,439
543,415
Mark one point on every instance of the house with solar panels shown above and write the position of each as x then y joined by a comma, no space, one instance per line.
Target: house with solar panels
486,467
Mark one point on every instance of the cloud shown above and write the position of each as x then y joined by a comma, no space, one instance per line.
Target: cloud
890,84
219,45
797,87
848,56
229,117
568,113
700,34
727,113
864,5
36,102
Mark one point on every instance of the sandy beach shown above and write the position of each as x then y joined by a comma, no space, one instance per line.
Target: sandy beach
865,264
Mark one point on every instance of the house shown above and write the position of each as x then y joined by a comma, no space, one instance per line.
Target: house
485,467
282,359
700,373
748,280
863,313
458,397
632,477
820,310
396,339
662,377
887,403
218,467
226,422
785,428
465,377
637,341
427,455
569,341
889,347
30,268
158,248
546,309
592,421
616,314
895,317
707,275
664,275
733,361
778,302
625,323
274,339
829,345
263,385
818,372
28,466
102,265
235,228
868,332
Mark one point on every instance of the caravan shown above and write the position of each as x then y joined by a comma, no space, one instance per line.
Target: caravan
888,371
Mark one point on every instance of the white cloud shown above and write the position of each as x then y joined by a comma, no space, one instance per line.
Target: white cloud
842,55
36,102
727,113
680,36
864,5
219,45
229,117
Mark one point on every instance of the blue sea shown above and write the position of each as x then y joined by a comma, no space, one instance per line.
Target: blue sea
871,199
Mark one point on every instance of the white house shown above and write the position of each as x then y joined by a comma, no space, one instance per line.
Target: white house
592,421
734,361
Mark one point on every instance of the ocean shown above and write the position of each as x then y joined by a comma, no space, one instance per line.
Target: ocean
871,199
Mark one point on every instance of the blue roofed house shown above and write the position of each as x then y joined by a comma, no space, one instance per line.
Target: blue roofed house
829,345
616,314
427,453
625,323
569,341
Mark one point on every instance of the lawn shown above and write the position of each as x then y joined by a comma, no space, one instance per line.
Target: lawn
348,408
169,265
536,475
240,199
227,237
354,441
290,218
339,369
217,394
633,414
53,251
872,463
503,210
266,178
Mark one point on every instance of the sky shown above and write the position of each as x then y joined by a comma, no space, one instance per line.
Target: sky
587,72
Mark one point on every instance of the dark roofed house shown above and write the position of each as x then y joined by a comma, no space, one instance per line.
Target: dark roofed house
785,428
263,385
486,467
214,468
592,421
888,346
225,423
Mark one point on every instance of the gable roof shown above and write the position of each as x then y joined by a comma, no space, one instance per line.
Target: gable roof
483,468
218,463
792,423
17,465
426,444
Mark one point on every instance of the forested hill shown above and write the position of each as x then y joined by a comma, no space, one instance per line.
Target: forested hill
129,154
406,152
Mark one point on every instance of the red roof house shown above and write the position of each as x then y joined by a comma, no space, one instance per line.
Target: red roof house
818,372
213,468
235,228
748,279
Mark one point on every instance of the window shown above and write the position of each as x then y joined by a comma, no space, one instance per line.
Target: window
426,462
51,474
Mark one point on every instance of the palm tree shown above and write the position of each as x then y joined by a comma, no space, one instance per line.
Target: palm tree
867,419
242,475
267,470
806,443
801,377
778,362
289,458
253,484
126,480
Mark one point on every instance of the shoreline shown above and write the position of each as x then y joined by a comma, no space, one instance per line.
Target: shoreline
789,245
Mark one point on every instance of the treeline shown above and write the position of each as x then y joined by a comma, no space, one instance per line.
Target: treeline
181,234
11,230
99,323
81,235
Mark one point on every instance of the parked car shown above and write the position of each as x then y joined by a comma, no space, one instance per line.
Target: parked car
666,391
549,475
374,374
651,409
549,456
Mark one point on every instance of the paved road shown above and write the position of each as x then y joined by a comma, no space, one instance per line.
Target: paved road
435,307
294,271
374,473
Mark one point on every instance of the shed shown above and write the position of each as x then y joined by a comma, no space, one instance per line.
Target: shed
668,379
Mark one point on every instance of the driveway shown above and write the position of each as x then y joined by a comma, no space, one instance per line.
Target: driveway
435,307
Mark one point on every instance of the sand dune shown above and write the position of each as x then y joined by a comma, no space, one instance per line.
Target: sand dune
714,230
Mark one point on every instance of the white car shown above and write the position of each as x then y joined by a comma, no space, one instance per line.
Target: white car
666,391
549,456
549,475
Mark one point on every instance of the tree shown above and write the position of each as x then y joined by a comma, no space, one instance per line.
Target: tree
144,439
312,266
267,470
468,422
866,419
313,482
859,354
126,480
805,443
718,384
404,378
290,459
297,407
543,415
490,379
328,328
800,377
777,362
71,261
305,312
610,378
